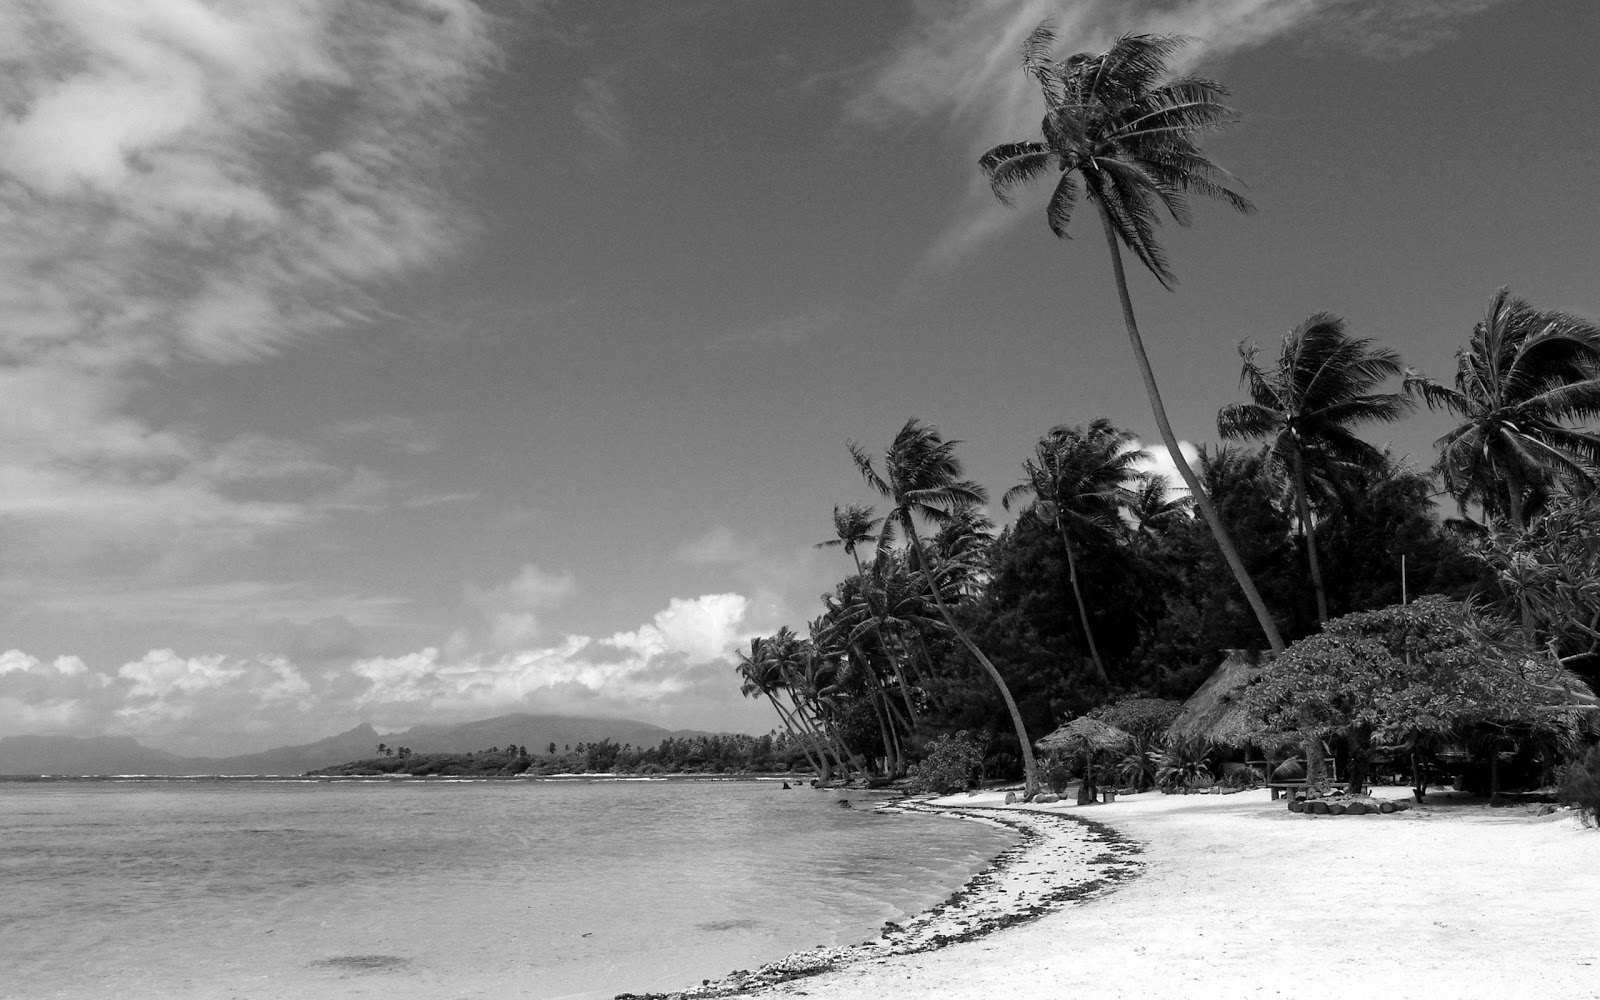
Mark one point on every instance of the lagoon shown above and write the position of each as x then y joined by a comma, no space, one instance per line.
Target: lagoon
402,889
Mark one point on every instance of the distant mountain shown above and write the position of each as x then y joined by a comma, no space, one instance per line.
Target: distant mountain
76,755
70,755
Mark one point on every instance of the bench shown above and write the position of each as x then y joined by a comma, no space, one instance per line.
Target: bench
1282,788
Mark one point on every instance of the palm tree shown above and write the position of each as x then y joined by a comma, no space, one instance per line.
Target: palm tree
762,676
1152,506
854,526
1523,380
1113,125
1305,406
1079,477
922,477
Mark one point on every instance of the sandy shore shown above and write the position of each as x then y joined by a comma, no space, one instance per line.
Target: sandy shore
1237,897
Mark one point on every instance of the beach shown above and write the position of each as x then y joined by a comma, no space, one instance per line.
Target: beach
1237,897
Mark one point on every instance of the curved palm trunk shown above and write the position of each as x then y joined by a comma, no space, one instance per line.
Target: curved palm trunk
824,736
1083,612
1201,499
1030,770
804,738
894,660
1303,508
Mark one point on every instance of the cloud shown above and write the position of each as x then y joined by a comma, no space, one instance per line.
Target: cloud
1157,459
784,331
228,604
391,432
513,609
598,112
780,580
203,703
958,65
184,180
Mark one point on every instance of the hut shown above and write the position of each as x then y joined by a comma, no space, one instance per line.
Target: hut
1216,713
1087,738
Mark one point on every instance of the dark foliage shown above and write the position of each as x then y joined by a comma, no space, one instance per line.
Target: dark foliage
1580,786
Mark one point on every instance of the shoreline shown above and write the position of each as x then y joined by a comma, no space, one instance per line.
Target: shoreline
1062,859
1238,897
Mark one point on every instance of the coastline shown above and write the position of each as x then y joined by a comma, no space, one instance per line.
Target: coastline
1061,859
1238,897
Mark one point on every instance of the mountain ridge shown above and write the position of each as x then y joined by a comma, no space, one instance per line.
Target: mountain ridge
78,756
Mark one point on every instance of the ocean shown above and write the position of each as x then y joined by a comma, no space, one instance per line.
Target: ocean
258,890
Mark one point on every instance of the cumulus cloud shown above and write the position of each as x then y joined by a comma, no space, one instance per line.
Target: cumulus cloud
1157,459
194,180
513,609
203,703
958,63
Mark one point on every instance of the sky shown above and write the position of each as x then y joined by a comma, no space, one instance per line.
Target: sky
402,361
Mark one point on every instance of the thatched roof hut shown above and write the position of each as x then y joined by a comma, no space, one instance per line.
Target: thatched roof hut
1216,712
1085,735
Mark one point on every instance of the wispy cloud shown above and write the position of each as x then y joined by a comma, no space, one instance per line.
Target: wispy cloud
783,331
184,180
390,432
958,64
227,604
600,115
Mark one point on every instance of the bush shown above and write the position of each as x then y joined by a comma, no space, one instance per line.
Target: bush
1057,775
1183,764
1580,787
949,764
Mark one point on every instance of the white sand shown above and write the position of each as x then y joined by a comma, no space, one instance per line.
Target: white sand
1241,898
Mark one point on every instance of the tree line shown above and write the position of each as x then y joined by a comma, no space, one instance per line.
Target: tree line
1112,582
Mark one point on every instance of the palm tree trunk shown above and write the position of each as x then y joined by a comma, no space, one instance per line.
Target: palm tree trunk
1303,508
894,661
1519,522
1083,612
823,735
803,737
889,762
1030,770
1201,499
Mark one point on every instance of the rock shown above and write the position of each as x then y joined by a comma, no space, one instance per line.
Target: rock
1357,809
1401,805
1387,807
1045,798
1545,810
1317,806
1337,808
1011,797
1297,805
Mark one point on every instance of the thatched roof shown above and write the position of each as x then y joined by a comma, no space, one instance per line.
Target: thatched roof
1086,735
1216,713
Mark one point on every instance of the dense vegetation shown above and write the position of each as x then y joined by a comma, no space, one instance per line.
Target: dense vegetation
1111,590
709,754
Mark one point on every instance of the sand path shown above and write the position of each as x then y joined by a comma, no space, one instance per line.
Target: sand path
1241,898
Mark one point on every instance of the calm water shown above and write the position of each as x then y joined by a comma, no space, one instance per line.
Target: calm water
442,890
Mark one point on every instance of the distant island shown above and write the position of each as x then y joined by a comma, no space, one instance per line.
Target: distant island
80,756
699,754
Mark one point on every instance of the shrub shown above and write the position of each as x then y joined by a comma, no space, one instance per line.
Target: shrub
1057,775
949,764
1580,786
1183,764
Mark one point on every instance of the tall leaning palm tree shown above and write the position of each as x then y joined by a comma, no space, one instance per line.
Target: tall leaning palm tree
1305,406
1078,480
1116,130
1524,383
922,478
